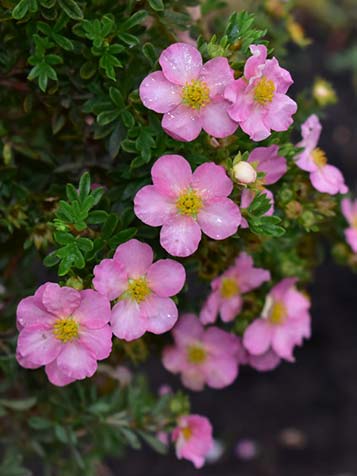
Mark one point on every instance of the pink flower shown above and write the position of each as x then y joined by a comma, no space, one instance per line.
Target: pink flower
193,438
142,290
259,100
184,203
227,289
189,94
263,363
285,321
202,355
324,177
64,329
349,210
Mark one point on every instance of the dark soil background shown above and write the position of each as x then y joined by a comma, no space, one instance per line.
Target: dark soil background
315,399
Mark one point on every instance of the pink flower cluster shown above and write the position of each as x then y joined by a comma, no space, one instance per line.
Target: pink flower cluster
349,210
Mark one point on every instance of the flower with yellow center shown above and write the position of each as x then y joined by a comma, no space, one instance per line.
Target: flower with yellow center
278,313
229,288
195,94
186,432
66,329
138,289
319,157
196,354
264,91
189,203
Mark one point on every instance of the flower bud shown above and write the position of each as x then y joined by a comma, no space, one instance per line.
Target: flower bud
244,173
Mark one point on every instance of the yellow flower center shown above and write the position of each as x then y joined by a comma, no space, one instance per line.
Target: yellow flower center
264,91
277,313
319,157
186,432
138,289
189,203
196,354
195,94
66,329
229,288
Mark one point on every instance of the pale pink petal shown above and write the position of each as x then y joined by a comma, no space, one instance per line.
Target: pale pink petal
30,312
161,314
76,361
351,238
180,236
211,180
171,175
159,94
296,302
217,74
182,123
241,101
209,311
152,207
135,256
174,359
254,64
128,322
220,343
193,378
94,310
281,289
280,76
269,162
215,119
268,361
328,179
219,218
25,362
56,376
98,341
37,345
283,342
180,63
110,278
230,308
280,111
221,371
187,330
255,125
311,131
349,209
60,301
166,277
249,277
257,337
305,161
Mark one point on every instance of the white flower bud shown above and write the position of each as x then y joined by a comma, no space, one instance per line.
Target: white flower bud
244,173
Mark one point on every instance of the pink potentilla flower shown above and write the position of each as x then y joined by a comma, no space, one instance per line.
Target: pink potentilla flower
227,289
202,356
247,198
64,329
184,203
193,438
142,290
285,321
264,362
324,177
189,94
258,100
268,161
349,210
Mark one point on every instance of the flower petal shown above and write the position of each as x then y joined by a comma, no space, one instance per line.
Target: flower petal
217,74
193,378
56,376
221,371
268,361
128,321
209,311
211,180
269,162
135,256
180,236
110,278
152,207
230,308
180,63
38,345
171,174
30,312
328,179
351,238
219,218
158,94
98,341
257,337
174,359
161,314
76,361
216,120
187,330
258,58
254,125
94,310
280,111
166,277
280,76
182,123
60,301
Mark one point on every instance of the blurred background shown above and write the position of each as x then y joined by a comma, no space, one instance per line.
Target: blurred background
301,419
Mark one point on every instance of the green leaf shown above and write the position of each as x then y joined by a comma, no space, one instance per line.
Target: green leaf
20,405
20,10
150,53
39,423
153,442
134,20
109,226
84,186
122,237
85,244
51,260
97,216
63,238
106,117
116,97
71,9
71,192
130,437
157,5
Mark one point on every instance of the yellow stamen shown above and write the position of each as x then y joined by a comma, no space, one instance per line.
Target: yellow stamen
189,203
186,432
66,329
195,94
138,289
319,157
264,91
277,313
229,288
196,354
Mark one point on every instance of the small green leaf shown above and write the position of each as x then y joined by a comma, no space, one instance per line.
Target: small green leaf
71,8
20,405
153,442
84,186
20,10
157,5
39,423
106,117
97,216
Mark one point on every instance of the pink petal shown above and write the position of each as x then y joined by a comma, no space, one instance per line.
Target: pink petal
180,236
249,277
305,161
216,120
217,74
239,98
174,359
110,278
349,209
328,179
135,256
193,378
166,277
283,342
258,58
220,343
161,314
268,361
152,207
37,345
230,308
182,123
221,371
280,111
180,63
98,341
211,180
209,311
26,363
280,76
351,238
255,125
94,310
280,290
311,131
269,162
159,94
76,361
56,376
60,301
171,175
187,330
257,337
30,312
128,321
219,218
